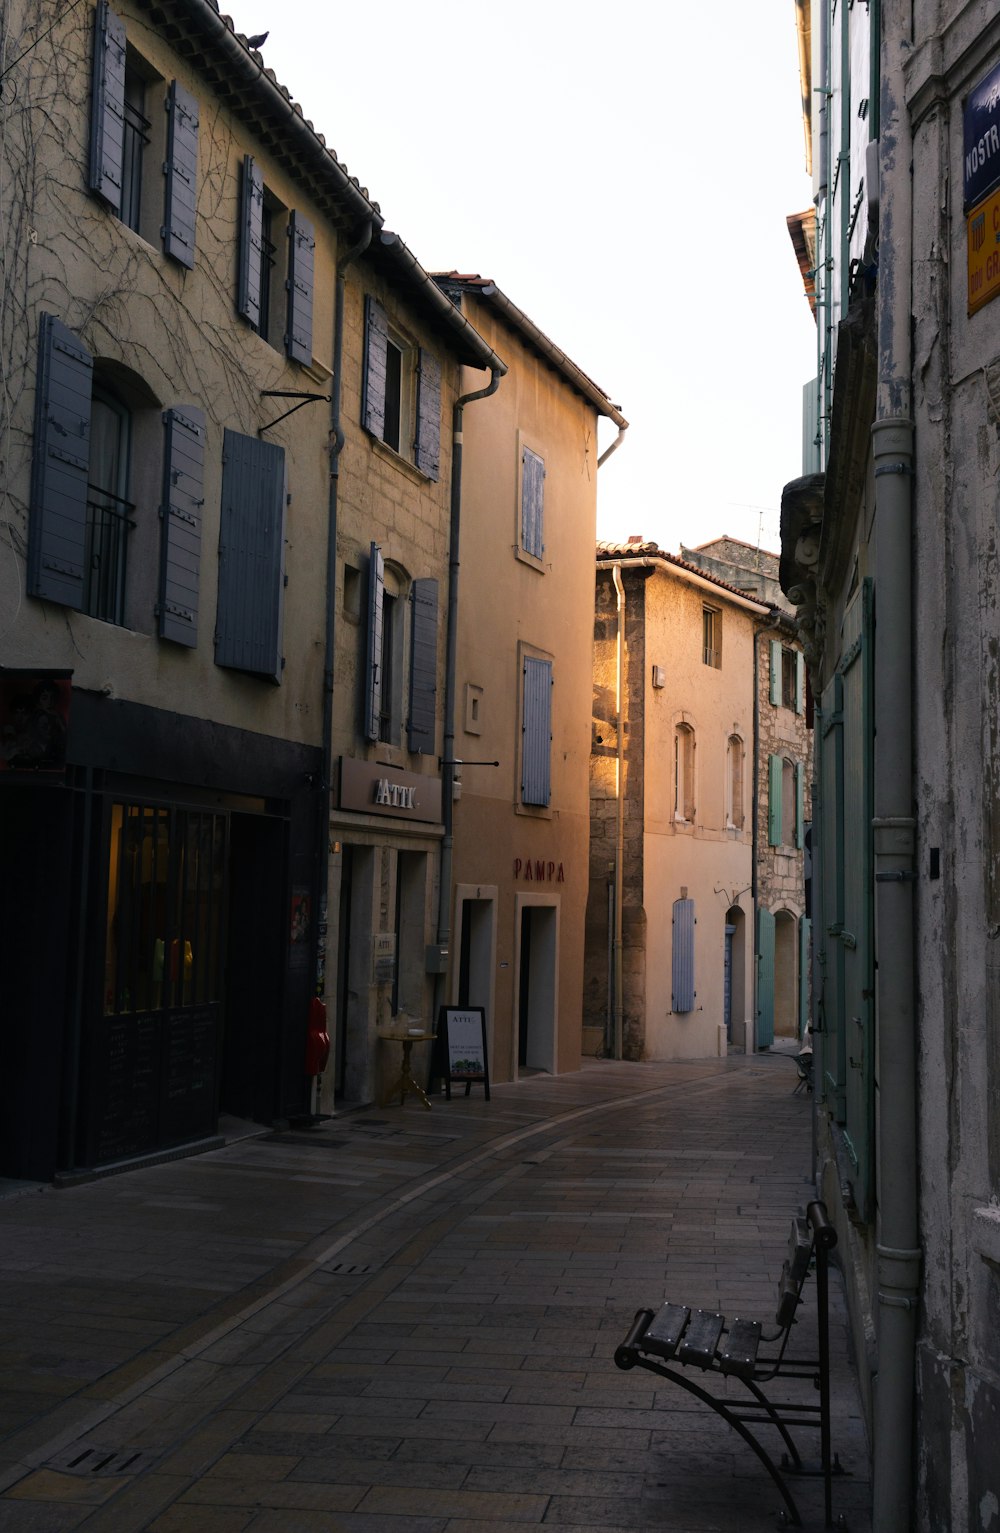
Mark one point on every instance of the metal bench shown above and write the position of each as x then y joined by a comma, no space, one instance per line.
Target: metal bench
686,1338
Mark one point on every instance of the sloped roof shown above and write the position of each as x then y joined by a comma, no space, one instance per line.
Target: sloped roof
651,550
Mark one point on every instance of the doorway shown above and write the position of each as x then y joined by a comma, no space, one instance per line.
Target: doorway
537,970
735,976
786,987
254,961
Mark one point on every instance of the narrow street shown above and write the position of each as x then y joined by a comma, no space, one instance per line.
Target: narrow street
406,1320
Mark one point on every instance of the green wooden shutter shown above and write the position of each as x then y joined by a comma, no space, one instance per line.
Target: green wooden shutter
251,557
800,804
423,667
251,254
300,285
181,516
181,175
57,527
774,767
800,682
373,650
765,978
373,386
107,106
428,445
776,671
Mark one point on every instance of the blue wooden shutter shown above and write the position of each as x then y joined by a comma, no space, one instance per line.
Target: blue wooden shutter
373,656
775,671
181,513
536,731
251,556
765,977
60,463
107,106
800,683
532,503
774,768
181,172
800,804
251,243
428,454
300,284
682,956
423,667
373,391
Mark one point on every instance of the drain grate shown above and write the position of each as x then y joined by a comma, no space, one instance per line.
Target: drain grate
89,1459
350,1269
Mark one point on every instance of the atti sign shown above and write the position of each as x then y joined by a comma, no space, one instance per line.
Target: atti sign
981,139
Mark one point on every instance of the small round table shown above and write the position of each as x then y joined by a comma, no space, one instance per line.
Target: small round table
405,1083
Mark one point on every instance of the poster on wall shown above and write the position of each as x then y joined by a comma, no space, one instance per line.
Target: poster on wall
460,1048
34,721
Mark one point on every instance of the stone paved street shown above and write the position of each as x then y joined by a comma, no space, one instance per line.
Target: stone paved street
405,1320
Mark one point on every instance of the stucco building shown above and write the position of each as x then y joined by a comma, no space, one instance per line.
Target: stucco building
889,553
669,968
530,480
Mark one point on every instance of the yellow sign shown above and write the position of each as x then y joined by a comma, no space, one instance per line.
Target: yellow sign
983,225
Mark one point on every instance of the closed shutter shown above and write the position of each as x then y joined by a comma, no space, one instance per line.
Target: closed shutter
181,171
428,454
812,456
373,657
60,463
181,513
536,731
682,956
532,503
107,107
805,965
251,243
301,280
423,667
800,804
774,766
373,391
776,671
251,557
800,683
765,978
828,851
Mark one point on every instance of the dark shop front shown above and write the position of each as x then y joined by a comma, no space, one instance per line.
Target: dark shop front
159,951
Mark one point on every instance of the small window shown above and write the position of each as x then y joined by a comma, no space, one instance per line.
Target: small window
135,137
531,535
734,792
711,627
788,816
401,404
109,513
684,773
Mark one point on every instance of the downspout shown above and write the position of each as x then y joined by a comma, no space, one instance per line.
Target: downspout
336,447
899,1255
755,832
616,575
605,455
448,762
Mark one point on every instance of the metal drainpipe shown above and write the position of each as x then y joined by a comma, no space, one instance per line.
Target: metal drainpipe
894,826
754,832
616,575
336,447
450,668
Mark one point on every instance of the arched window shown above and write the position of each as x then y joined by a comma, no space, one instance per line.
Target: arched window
684,808
734,784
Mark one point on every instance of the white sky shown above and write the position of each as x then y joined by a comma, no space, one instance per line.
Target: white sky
623,172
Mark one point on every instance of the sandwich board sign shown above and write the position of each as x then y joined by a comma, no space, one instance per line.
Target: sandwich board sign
461,1047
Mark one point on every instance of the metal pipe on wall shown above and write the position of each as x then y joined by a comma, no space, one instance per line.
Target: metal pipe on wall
616,575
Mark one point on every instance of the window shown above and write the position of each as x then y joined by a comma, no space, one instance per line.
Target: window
401,399
536,730
787,677
275,244
386,658
95,446
684,773
734,784
785,802
711,627
531,539
250,615
128,133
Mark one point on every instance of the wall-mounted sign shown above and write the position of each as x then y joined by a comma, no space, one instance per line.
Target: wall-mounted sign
383,958
373,788
535,870
983,239
981,139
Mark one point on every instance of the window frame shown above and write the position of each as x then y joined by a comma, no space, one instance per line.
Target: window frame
711,636
536,671
735,809
529,543
685,800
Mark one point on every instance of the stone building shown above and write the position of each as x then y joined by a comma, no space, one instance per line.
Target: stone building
889,554
669,959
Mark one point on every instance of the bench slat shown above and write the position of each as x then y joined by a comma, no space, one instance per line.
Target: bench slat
701,1338
739,1354
665,1330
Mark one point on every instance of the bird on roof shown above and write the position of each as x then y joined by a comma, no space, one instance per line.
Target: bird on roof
258,40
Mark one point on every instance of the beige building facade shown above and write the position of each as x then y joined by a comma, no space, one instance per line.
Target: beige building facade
521,822
669,967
